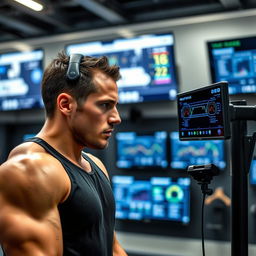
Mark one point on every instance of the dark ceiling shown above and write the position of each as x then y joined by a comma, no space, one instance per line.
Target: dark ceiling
62,16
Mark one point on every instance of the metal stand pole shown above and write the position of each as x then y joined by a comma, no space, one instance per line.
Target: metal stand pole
241,152
239,195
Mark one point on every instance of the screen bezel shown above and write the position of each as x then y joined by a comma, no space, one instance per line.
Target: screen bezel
223,85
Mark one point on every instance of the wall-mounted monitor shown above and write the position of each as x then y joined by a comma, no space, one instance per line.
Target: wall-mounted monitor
147,65
196,152
20,80
155,198
253,172
141,150
233,60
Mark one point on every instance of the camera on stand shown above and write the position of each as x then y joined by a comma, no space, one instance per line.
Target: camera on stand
203,174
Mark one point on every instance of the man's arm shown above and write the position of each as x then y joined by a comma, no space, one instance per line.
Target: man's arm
29,220
117,248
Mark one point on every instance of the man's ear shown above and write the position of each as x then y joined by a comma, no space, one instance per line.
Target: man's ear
66,103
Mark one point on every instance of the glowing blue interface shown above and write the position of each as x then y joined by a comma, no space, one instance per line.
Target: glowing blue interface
141,150
203,114
20,79
28,136
234,61
253,172
146,65
157,198
197,152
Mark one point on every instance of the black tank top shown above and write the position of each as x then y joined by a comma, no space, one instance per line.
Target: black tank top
88,214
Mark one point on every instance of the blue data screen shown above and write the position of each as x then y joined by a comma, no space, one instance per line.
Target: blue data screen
253,172
234,61
147,65
20,80
141,150
156,198
198,152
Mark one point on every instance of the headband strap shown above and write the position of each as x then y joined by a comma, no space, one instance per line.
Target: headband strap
73,72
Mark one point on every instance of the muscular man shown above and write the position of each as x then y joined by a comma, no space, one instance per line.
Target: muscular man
54,199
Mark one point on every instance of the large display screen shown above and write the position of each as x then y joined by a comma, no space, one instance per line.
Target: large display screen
234,61
135,149
198,152
147,65
20,79
156,198
204,113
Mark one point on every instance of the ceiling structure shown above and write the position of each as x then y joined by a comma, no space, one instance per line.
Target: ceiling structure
18,22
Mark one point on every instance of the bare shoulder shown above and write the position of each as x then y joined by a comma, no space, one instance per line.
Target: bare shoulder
26,148
30,190
30,172
99,163
23,173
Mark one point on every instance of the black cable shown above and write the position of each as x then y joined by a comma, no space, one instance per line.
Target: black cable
202,224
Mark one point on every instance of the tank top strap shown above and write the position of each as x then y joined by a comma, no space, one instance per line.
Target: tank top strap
87,158
94,166
46,146
59,156
65,161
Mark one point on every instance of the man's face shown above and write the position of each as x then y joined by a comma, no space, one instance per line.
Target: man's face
92,123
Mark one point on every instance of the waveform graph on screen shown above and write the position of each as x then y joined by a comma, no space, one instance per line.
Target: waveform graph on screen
185,153
144,147
200,149
141,150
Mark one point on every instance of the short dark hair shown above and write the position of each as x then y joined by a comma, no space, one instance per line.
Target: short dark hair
55,81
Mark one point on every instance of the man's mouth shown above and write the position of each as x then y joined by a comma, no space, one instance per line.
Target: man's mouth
108,132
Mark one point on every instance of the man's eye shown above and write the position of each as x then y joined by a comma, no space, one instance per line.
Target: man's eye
105,105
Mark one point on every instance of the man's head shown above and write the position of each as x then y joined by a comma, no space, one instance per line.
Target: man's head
55,80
